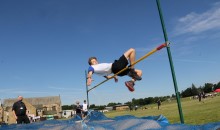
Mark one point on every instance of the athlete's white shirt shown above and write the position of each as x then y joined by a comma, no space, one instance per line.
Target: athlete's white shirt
101,69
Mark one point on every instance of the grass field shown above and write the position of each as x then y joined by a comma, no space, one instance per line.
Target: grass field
194,112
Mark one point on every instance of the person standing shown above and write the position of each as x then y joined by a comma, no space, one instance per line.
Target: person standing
158,104
20,111
200,97
85,109
78,110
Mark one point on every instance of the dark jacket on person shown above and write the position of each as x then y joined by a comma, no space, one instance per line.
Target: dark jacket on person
19,108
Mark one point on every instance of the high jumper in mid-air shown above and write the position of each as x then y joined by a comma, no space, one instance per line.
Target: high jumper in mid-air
105,69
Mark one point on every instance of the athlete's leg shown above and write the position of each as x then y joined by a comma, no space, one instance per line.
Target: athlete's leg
130,55
139,72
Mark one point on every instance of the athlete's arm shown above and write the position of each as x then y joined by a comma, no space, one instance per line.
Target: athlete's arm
89,78
109,77
116,79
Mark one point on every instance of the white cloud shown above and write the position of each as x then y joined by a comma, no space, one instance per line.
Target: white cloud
6,90
197,23
28,92
63,88
195,61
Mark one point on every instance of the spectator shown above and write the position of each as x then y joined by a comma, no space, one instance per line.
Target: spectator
200,97
136,107
78,110
20,111
131,107
158,104
85,109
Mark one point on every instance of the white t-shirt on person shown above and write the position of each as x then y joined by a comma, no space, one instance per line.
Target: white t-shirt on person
85,107
101,69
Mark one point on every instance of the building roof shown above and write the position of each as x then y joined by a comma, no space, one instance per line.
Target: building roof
36,101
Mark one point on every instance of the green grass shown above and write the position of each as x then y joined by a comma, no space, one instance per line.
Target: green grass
194,112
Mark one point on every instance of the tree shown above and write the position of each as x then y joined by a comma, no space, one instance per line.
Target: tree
216,86
101,107
141,102
67,107
194,90
111,104
208,87
128,103
148,100
92,106
135,101
190,91
187,92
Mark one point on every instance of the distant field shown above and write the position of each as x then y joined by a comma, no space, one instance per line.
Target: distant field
194,112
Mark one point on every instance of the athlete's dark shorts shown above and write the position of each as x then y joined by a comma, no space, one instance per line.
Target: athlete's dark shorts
120,64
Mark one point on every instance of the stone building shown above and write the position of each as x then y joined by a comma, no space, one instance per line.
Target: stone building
38,106
121,107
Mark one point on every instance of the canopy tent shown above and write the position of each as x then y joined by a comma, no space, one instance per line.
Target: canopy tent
217,90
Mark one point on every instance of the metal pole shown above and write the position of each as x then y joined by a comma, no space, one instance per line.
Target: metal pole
171,63
87,92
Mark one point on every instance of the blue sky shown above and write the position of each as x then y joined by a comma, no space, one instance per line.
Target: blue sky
45,45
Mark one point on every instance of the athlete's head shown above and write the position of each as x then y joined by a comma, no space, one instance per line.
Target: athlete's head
92,61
